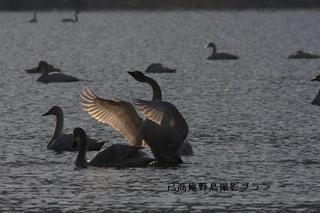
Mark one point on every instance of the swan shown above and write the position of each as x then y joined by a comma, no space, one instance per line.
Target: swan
47,76
64,142
219,56
158,131
302,55
316,100
186,147
116,155
34,19
70,19
40,64
158,68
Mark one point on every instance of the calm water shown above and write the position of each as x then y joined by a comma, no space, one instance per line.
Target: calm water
250,120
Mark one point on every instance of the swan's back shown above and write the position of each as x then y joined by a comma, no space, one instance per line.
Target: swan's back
56,77
302,55
222,56
158,68
120,155
65,143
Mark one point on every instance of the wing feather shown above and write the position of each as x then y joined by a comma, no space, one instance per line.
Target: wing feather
117,113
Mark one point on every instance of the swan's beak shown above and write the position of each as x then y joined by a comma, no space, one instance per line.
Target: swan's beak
207,46
45,114
130,73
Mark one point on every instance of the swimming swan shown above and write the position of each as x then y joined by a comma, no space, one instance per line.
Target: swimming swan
70,19
186,148
219,56
38,70
47,76
302,55
116,155
158,131
158,68
34,19
64,142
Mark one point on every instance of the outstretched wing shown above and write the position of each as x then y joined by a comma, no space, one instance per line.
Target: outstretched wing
156,111
117,113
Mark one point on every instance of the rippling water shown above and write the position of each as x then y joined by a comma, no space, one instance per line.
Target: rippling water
250,120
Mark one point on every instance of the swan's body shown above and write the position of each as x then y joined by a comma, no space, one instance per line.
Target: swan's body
302,55
186,147
38,70
158,68
64,142
116,155
70,19
48,77
219,56
34,19
316,100
158,130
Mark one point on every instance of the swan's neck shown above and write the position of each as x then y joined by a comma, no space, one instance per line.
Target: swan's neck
76,17
157,95
81,159
214,49
58,129
44,70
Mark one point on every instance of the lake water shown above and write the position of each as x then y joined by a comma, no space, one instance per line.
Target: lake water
250,120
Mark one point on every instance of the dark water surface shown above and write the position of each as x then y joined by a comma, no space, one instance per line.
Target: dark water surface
250,120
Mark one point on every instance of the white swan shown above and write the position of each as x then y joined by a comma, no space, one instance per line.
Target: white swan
186,148
34,19
219,56
116,155
158,68
64,142
158,131
70,19
47,76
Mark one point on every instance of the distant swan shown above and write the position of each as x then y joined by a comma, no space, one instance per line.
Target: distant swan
40,64
70,19
159,131
64,142
316,100
186,147
219,56
47,76
158,68
116,155
34,19
302,55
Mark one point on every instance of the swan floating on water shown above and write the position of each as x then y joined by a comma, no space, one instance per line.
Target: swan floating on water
219,56
302,55
158,131
64,142
70,19
34,19
47,76
40,64
158,68
116,155
186,147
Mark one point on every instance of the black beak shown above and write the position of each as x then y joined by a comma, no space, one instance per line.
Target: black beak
130,73
45,114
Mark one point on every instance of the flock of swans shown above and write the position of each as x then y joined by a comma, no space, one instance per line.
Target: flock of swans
162,128
70,20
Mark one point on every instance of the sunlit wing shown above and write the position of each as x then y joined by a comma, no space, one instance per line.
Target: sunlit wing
117,113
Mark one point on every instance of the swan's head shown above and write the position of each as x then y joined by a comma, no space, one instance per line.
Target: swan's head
77,11
79,135
139,76
43,66
55,110
317,78
211,44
